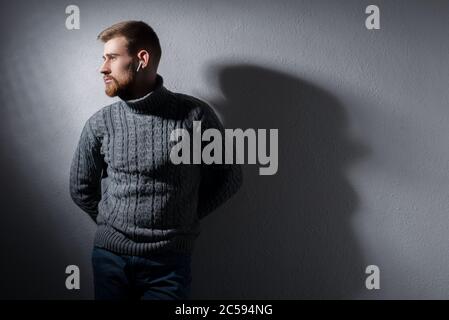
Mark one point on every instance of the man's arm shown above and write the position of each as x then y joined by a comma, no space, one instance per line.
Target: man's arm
219,182
86,171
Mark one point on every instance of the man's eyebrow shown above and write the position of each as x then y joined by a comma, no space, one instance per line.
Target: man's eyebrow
110,55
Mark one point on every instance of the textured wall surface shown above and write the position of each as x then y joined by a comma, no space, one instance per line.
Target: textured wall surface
362,118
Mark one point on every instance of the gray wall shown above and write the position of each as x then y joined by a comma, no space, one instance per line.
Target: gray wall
362,118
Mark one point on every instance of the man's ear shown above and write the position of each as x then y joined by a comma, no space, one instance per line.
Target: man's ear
143,56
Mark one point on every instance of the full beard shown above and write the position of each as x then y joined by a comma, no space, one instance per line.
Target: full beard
121,88
112,88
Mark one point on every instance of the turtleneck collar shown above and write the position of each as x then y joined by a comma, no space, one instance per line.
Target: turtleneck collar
150,101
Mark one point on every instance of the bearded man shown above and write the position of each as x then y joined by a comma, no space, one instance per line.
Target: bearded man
147,209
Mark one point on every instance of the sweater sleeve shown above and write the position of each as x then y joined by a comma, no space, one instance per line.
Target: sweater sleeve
219,182
86,171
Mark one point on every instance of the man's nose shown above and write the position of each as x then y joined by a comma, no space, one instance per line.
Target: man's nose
104,69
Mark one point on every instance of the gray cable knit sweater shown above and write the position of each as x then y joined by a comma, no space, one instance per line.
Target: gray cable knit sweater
122,176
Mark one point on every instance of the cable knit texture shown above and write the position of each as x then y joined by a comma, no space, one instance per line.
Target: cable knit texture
122,176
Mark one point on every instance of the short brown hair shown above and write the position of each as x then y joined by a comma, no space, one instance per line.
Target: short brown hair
139,36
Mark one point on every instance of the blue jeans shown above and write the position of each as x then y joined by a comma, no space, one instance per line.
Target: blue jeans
163,276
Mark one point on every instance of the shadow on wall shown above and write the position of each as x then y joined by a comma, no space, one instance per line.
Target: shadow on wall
291,234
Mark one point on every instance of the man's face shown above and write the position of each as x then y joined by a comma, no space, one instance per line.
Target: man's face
118,68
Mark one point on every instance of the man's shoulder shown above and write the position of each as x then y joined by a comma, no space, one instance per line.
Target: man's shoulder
197,107
189,99
98,116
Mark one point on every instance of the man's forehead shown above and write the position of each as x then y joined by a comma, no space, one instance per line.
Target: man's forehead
116,45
